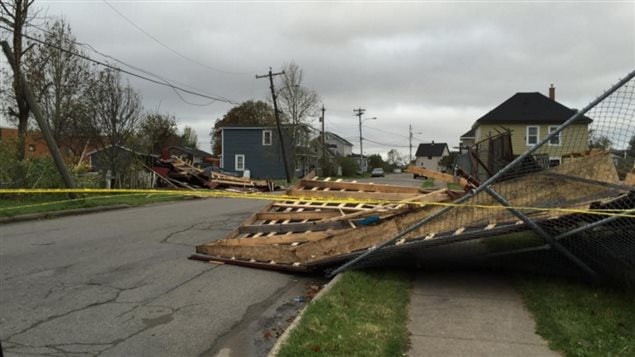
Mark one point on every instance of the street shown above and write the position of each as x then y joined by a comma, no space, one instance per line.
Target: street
119,283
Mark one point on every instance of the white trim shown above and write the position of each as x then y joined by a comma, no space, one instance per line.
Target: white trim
527,135
559,136
236,162
222,148
264,142
555,158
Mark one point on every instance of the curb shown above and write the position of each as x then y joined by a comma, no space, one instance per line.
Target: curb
53,214
285,335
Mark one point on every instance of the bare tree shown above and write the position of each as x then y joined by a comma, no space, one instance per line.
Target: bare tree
116,113
15,14
61,79
298,104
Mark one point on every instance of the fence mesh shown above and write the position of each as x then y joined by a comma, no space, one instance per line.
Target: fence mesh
570,195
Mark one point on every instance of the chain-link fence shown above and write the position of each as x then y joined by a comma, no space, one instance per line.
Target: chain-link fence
557,194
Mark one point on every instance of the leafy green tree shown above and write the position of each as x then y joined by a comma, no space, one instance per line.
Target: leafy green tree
349,165
189,137
447,162
246,114
375,161
158,130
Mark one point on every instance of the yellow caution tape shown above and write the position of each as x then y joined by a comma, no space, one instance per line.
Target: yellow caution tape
279,197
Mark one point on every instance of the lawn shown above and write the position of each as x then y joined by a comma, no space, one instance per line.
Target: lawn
364,314
579,319
13,205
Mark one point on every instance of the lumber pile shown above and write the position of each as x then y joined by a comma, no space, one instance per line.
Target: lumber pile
327,221
283,233
466,182
185,174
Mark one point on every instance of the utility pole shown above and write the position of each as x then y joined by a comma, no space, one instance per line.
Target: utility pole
324,163
410,136
359,112
41,121
275,109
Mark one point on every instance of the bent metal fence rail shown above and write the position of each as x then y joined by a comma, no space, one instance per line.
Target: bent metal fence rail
516,216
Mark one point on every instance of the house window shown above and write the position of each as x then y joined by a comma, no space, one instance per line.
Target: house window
239,162
533,133
266,137
555,141
554,161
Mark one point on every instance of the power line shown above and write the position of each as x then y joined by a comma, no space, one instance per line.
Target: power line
385,144
164,79
168,47
163,82
386,132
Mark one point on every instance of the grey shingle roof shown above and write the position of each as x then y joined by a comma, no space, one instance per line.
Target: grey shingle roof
529,108
431,149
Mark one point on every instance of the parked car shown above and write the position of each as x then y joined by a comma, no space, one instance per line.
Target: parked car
377,172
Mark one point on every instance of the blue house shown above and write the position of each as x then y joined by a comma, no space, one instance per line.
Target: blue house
256,149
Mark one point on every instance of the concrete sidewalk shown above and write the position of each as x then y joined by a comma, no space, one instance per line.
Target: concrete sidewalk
470,314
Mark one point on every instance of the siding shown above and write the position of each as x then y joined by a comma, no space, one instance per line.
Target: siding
432,164
574,138
263,161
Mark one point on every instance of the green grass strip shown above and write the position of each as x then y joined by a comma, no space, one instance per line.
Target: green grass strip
364,314
19,204
581,320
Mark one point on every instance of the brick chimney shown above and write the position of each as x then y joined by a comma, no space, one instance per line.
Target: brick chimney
552,92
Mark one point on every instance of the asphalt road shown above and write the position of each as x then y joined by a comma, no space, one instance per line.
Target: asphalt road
119,284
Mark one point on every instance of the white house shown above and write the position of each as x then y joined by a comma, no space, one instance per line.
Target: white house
428,155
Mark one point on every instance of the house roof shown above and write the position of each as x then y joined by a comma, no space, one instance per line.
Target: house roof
190,150
431,149
119,147
524,108
470,134
335,136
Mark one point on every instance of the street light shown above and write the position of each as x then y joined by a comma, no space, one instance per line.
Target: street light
362,163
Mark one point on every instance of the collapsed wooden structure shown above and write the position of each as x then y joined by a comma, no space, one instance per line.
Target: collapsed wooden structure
322,222
182,173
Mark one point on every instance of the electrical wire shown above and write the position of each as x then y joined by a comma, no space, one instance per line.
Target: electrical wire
168,47
163,82
385,131
166,80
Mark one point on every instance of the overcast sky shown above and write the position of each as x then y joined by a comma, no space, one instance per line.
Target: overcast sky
437,65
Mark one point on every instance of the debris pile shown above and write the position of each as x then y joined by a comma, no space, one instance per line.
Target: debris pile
328,222
180,173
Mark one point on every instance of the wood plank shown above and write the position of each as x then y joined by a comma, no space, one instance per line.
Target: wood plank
278,253
435,196
379,196
325,207
352,186
437,175
292,227
279,239
297,215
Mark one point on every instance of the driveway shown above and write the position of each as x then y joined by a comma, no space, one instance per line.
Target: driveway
119,283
